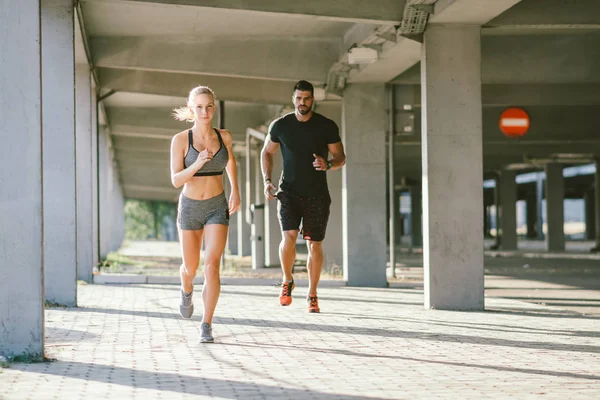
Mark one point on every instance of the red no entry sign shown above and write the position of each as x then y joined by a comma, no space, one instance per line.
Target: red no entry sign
514,122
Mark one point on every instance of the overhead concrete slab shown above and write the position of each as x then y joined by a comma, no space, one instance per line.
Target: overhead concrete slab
172,18
398,55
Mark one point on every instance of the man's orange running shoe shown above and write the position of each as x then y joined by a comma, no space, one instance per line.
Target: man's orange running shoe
313,304
285,297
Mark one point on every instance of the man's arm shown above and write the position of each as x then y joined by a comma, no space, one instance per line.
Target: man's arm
266,164
338,159
336,162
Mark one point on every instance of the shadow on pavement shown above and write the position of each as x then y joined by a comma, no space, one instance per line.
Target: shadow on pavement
178,383
358,330
421,360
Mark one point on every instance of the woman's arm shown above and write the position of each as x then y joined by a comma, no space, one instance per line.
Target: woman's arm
231,168
179,174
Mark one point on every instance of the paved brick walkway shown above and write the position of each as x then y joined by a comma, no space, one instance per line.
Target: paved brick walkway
128,342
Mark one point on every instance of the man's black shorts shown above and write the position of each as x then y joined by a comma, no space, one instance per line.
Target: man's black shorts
312,212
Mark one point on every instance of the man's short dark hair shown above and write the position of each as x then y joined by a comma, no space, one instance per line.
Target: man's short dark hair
305,86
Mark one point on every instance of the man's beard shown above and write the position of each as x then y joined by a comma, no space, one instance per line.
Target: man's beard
304,110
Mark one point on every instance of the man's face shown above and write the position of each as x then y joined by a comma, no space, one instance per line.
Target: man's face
303,101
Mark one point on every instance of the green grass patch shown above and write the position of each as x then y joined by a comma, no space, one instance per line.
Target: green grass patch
51,304
118,263
5,362
116,258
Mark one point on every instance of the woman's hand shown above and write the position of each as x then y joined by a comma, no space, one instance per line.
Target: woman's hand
234,203
203,157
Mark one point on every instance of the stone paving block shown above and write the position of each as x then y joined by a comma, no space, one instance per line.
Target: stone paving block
128,341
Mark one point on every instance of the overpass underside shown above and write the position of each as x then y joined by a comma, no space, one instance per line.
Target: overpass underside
89,86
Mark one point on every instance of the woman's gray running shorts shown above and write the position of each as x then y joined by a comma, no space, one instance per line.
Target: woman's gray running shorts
192,214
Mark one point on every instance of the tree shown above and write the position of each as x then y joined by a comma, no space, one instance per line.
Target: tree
144,218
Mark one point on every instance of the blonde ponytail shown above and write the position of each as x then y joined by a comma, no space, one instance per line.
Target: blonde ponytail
183,114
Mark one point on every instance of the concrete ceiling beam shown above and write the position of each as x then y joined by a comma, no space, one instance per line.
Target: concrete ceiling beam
374,11
573,94
532,60
547,17
177,84
149,192
158,122
288,59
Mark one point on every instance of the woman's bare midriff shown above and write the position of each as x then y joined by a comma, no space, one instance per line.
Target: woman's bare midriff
203,187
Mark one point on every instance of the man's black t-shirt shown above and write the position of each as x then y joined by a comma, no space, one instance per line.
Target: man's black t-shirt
299,141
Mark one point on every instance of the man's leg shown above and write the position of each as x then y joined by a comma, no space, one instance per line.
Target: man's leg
287,253
314,265
313,231
290,215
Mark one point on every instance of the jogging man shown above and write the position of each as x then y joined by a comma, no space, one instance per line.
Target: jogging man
306,139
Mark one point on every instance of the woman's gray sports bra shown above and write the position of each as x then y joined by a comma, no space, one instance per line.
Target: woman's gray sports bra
216,166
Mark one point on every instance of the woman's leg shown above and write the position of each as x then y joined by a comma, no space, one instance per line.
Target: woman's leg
215,239
191,242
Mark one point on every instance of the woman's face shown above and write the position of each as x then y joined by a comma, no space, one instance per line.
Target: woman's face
203,107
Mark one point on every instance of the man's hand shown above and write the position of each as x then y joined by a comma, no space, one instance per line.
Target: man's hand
269,189
320,163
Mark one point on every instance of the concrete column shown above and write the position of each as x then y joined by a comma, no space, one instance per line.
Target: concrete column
555,213
399,221
104,185
243,231
539,199
232,243
364,182
508,209
332,245
497,237
597,204
256,218
452,164
486,221
94,159
84,170
590,211
272,229
21,271
257,187
58,116
112,218
532,217
416,211
249,179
